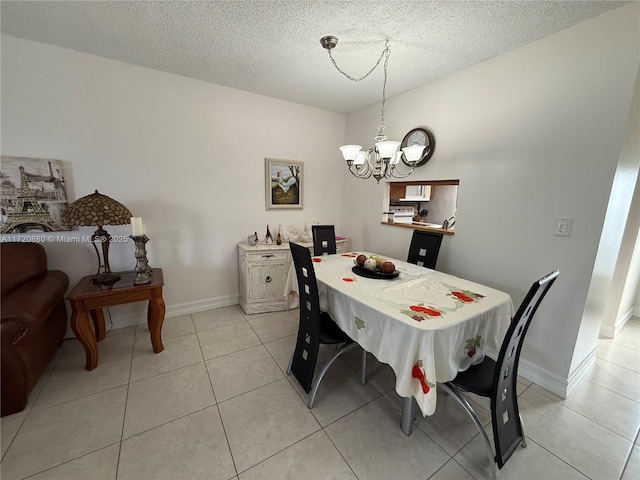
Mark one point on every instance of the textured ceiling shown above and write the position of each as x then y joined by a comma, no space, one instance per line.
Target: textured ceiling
272,47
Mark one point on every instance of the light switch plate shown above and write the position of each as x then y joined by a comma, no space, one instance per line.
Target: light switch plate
563,227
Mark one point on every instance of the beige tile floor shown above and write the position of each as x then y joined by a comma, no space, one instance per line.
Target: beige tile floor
216,404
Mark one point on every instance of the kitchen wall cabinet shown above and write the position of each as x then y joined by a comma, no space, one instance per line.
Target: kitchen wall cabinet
417,193
262,275
396,191
407,191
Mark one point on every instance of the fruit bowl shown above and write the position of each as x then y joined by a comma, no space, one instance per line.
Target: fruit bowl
374,266
363,272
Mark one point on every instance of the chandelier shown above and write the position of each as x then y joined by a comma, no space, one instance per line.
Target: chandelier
383,159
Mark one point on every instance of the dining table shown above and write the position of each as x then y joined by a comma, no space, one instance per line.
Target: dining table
425,324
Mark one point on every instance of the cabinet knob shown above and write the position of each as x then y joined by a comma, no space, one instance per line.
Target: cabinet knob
268,279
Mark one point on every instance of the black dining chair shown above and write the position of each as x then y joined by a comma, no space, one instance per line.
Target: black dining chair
497,381
424,248
315,328
324,239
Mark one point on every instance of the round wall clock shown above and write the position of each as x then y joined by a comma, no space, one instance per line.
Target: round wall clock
420,136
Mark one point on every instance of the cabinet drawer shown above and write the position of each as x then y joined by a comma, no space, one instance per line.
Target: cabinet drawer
270,257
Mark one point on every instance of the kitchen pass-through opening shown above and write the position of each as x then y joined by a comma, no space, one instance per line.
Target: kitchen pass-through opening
429,205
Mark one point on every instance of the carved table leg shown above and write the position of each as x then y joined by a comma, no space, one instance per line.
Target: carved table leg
97,316
155,317
82,330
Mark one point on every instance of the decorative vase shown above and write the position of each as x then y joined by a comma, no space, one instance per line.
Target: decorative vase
306,234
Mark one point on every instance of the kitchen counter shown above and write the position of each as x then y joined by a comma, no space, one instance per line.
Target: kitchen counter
416,226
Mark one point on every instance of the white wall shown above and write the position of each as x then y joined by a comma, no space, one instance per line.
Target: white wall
443,203
614,267
185,155
630,297
533,134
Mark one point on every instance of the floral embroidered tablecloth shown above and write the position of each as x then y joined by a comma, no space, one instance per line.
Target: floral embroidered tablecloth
427,325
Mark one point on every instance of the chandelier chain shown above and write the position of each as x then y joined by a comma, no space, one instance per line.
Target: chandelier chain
380,161
384,90
384,53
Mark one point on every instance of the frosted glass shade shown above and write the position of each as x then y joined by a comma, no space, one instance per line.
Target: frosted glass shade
413,154
387,149
349,152
360,158
396,158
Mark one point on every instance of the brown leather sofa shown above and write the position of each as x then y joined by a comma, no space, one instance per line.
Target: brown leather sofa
34,319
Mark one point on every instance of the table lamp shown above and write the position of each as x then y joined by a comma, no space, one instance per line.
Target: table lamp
98,210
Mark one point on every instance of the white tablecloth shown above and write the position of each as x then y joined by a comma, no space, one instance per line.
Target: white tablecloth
427,325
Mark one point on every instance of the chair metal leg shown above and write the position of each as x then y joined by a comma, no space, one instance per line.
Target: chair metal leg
290,362
347,347
524,435
467,408
364,366
408,415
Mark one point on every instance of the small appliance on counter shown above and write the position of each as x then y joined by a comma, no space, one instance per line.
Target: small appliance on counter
408,215
388,217
402,214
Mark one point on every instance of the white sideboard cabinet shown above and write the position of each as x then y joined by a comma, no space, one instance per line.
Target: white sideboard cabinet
262,274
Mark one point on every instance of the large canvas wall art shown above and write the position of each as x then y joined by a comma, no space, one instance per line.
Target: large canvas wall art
283,184
33,195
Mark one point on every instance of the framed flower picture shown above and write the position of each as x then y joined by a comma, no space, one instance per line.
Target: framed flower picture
283,184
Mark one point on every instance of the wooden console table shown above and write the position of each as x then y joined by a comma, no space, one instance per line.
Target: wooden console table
88,299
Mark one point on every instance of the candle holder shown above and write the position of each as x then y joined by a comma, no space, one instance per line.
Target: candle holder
143,270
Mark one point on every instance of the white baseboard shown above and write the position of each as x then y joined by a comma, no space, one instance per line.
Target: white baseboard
139,315
200,306
581,370
543,378
606,330
610,331
560,386
623,321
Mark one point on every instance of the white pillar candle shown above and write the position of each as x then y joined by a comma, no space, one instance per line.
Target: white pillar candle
136,226
144,229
